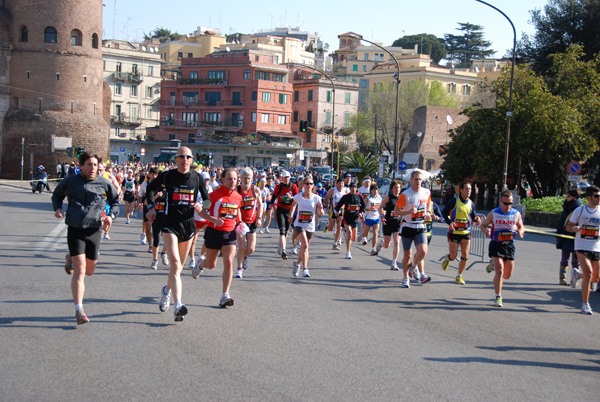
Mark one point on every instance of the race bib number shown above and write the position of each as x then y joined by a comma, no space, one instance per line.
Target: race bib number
159,206
589,232
461,224
506,236
374,207
305,217
353,207
247,203
184,196
228,210
419,216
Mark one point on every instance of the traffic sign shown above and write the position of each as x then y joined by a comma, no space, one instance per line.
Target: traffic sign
574,168
355,170
143,151
574,177
402,165
122,149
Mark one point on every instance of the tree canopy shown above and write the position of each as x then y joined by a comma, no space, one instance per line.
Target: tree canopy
428,44
162,34
470,45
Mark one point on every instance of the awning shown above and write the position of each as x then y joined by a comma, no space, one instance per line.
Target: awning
279,134
163,158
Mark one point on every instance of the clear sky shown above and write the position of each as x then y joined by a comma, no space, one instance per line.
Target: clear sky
381,21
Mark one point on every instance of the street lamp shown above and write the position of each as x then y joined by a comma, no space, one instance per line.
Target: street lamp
397,77
333,100
419,135
509,112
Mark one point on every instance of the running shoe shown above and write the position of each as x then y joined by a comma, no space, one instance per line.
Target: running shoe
593,286
586,309
68,264
460,280
197,270
260,231
106,236
245,263
405,282
127,221
180,312
82,318
563,282
226,300
165,300
325,229
364,241
165,258
489,268
359,237
192,262
319,226
379,246
284,255
296,269
395,266
575,277
295,250
154,265
424,279
239,273
267,230
143,238
305,273
414,271
150,249
498,302
445,263
335,246
374,251
348,255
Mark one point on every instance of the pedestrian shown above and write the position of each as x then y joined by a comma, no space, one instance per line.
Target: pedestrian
181,186
459,213
585,222
567,246
506,223
86,194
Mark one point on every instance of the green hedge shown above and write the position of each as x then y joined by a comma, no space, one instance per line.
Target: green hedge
546,204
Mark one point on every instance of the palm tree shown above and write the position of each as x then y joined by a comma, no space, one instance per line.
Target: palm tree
368,165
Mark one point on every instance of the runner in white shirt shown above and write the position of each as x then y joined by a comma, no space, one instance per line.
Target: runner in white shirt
585,222
372,217
310,209
334,195
364,191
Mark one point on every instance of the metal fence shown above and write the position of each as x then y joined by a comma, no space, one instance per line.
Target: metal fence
478,248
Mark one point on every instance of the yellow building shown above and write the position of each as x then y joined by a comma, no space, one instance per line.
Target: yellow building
198,46
284,49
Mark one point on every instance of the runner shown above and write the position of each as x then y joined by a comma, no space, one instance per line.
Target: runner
321,192
214,184
372,218
265,196
181,186
585,222
146,224
220,232
251,211
334,195
105,172
160,199
283,194
459,213
567,246
364,191
391,223
309,208
270,204
353,207
86,193
129,185
200,224
506,222
414,205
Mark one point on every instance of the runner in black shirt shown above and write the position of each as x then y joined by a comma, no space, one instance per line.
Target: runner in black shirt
182,188
354,206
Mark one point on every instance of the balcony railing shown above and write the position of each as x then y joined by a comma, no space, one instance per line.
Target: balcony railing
132,77
184,123
126,120
197,103
202,81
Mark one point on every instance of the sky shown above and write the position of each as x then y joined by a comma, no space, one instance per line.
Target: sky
381,21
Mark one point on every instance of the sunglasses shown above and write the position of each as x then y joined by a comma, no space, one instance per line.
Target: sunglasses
506,203
184,156
310,184
596,195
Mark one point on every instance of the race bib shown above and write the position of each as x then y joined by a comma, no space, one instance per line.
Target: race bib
505,236
305,216
228,210
247,203
419,216
159,206
184,196
589,232
461,224
353,207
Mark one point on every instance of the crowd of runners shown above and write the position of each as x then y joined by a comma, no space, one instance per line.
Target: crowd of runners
203,213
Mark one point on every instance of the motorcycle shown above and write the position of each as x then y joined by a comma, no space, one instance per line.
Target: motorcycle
40,181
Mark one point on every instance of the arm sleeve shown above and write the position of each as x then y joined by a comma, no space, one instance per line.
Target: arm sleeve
112,196
447,208
58,195
363,206
473,211
340,203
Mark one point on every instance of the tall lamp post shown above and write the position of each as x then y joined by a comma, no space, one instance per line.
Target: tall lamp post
333,100
509,112
397,76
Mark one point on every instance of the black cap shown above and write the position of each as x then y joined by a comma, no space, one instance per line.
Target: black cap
348,175
353,184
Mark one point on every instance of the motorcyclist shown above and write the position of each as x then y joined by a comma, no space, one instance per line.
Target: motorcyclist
41,175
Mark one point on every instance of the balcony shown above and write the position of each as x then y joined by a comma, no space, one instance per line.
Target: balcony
130,77
197,103
183,123
124,120
202,81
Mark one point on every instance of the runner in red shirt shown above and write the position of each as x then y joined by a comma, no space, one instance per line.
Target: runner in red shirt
251,211
220,234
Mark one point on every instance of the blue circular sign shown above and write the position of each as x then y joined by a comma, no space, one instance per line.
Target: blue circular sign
402,165
574,168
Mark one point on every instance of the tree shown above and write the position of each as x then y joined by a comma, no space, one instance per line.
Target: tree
428,44
469,46
367,164
163,34
560,24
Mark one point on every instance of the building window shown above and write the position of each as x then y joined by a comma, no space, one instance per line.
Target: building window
328,96
194,74
117,110
179,55
466,89
266,97
134,69
346,119
40,101
328,118
189,117
276,60
85,78
364,68
246,74
28,74
279,77
310,95
264,117
452,88
149,92
191,138
348,98
76,37
296,96
283,99
281,119
150,70
50,35
119,67
213,117
95,41
134,90
57,76
366,56
346,140
149,113
190,55
295,116
355,67
172,136
364,83
216,76
309,117
308,136
211,98
117,89
253,117
254,95
23,34
262,75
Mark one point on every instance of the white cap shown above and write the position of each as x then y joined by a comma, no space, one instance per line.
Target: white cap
286,174
205,175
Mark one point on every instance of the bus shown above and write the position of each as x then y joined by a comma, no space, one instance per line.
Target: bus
322,170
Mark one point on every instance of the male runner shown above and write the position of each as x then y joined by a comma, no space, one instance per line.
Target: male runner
86,193
353,207
181,186
506,222
251,211
129,189
284,194
334,195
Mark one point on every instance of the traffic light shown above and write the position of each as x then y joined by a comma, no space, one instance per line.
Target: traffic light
79,151
303,126
205,160
198,157
70,151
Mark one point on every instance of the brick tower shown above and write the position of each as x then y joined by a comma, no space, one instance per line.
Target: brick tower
52,93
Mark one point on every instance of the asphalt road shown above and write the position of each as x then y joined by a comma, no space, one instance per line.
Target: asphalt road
348,333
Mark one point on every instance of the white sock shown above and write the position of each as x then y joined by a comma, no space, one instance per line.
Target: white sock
78,306
177,305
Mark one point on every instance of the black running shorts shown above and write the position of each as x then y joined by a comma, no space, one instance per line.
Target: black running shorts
506,251
215,239
184,230
84,241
